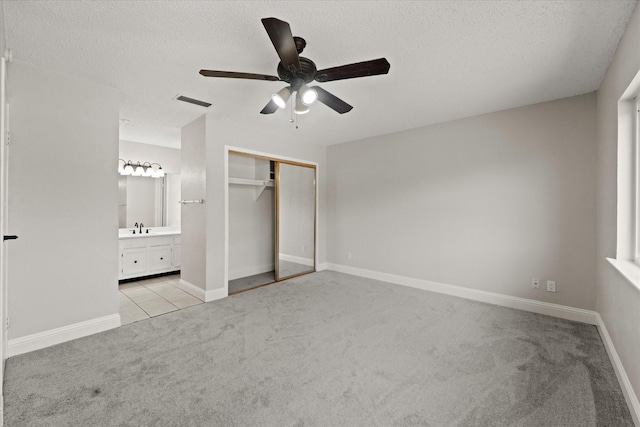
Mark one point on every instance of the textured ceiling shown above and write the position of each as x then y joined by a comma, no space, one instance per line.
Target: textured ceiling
449,59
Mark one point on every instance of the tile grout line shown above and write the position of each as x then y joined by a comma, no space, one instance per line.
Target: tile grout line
177,308
142,285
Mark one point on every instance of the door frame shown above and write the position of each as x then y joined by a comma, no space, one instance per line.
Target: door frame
4,114
228,149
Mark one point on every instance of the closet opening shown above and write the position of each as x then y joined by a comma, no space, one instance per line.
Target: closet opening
272,220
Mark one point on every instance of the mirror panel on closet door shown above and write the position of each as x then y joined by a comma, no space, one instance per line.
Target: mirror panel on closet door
296,220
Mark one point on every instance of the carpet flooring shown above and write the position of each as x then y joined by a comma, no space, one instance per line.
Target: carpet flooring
324,349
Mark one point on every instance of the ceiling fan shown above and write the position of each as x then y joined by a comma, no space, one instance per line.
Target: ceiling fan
299,71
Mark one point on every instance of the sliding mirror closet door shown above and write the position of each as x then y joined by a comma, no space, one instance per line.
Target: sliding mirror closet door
296,204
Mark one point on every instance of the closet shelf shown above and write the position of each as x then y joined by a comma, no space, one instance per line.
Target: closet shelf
256,182
260,184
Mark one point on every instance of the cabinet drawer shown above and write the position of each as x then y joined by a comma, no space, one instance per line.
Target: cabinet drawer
139,242
160,258
159,241
134,261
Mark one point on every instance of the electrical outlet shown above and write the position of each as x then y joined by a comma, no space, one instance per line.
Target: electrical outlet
535,283
551,286
349,255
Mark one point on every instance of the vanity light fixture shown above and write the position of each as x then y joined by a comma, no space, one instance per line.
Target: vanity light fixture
137,169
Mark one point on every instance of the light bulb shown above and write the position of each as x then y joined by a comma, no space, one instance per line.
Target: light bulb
280,98
128,170
301,108
309,95
138,172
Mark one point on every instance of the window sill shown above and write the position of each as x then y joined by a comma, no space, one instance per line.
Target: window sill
629,270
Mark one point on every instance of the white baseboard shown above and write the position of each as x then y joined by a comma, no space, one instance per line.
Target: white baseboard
297,259
59,335
251,271
321,266
627,389
201,294
555,310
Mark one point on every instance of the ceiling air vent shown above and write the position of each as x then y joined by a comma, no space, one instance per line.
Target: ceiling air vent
193,101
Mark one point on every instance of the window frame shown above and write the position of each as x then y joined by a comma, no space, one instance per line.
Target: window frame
636,181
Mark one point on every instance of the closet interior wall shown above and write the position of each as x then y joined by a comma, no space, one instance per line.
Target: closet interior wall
251,219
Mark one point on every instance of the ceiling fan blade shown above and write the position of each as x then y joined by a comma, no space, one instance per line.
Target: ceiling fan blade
270,108
234,75
282,39
350,71
332,101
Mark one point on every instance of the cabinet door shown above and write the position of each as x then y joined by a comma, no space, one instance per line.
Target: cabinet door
160,258
134,261
177,256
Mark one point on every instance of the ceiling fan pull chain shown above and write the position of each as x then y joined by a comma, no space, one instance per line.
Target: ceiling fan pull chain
291,113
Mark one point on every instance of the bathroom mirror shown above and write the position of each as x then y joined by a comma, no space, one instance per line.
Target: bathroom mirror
151,201
296,204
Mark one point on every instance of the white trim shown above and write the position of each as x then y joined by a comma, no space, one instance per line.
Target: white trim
296,259
321,267
555,310
51,337
627,269
627,389
201,294
251,271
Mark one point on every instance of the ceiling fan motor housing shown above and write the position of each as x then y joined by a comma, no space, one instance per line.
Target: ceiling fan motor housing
307,72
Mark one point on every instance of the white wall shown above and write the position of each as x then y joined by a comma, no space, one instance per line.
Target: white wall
193,216
618,299
169,158
63,185
251,221
486,202
173,186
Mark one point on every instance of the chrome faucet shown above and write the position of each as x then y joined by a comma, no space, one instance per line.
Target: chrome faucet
141,225
134,227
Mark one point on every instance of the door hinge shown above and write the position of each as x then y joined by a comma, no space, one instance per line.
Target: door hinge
6,325
8,138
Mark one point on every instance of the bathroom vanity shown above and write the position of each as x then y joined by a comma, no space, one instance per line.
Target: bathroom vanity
154,252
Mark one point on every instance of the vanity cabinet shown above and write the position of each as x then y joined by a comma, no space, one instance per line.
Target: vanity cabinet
145,256
134,261
160,258
177,254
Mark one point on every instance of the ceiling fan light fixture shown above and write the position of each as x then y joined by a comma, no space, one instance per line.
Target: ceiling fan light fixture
281,97
301,107
309,95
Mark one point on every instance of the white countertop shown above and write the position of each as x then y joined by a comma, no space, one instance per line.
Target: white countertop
127,233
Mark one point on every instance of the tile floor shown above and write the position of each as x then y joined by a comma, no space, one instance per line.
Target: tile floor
152,297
